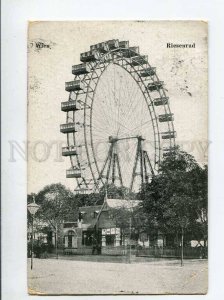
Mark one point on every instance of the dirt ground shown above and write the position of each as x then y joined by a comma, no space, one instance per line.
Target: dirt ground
71,275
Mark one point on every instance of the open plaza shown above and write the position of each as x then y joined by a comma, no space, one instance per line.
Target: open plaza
115,275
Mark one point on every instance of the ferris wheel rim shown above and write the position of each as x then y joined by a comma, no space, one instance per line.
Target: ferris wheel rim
106,64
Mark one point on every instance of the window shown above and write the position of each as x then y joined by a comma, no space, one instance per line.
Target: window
71,235
110,239
87,238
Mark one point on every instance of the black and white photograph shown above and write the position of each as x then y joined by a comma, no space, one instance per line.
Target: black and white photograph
117,199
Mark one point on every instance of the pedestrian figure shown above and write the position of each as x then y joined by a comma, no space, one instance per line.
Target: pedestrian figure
44,251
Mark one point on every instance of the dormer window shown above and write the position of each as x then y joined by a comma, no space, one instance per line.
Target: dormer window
96,212
81,215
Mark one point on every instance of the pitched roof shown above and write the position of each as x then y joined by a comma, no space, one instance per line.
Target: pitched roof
89,216
90,219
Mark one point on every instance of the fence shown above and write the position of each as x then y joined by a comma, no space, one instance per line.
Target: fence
80,251
120,250
189,252
87,250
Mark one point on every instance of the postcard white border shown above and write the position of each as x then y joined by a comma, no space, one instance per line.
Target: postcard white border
15,15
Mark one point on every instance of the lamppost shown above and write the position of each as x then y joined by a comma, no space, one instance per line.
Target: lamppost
32,208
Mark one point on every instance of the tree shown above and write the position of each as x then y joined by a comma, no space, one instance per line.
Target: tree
129,220
89,199
57,204
121,192
176,198
200,190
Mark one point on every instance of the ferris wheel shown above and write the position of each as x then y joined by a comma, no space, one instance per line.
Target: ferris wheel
118,121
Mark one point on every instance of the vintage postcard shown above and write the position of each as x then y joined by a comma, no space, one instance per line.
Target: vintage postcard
117,158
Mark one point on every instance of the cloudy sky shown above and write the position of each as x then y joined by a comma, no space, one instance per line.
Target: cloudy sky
184,72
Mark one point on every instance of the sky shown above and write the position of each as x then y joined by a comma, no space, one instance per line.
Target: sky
184,72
